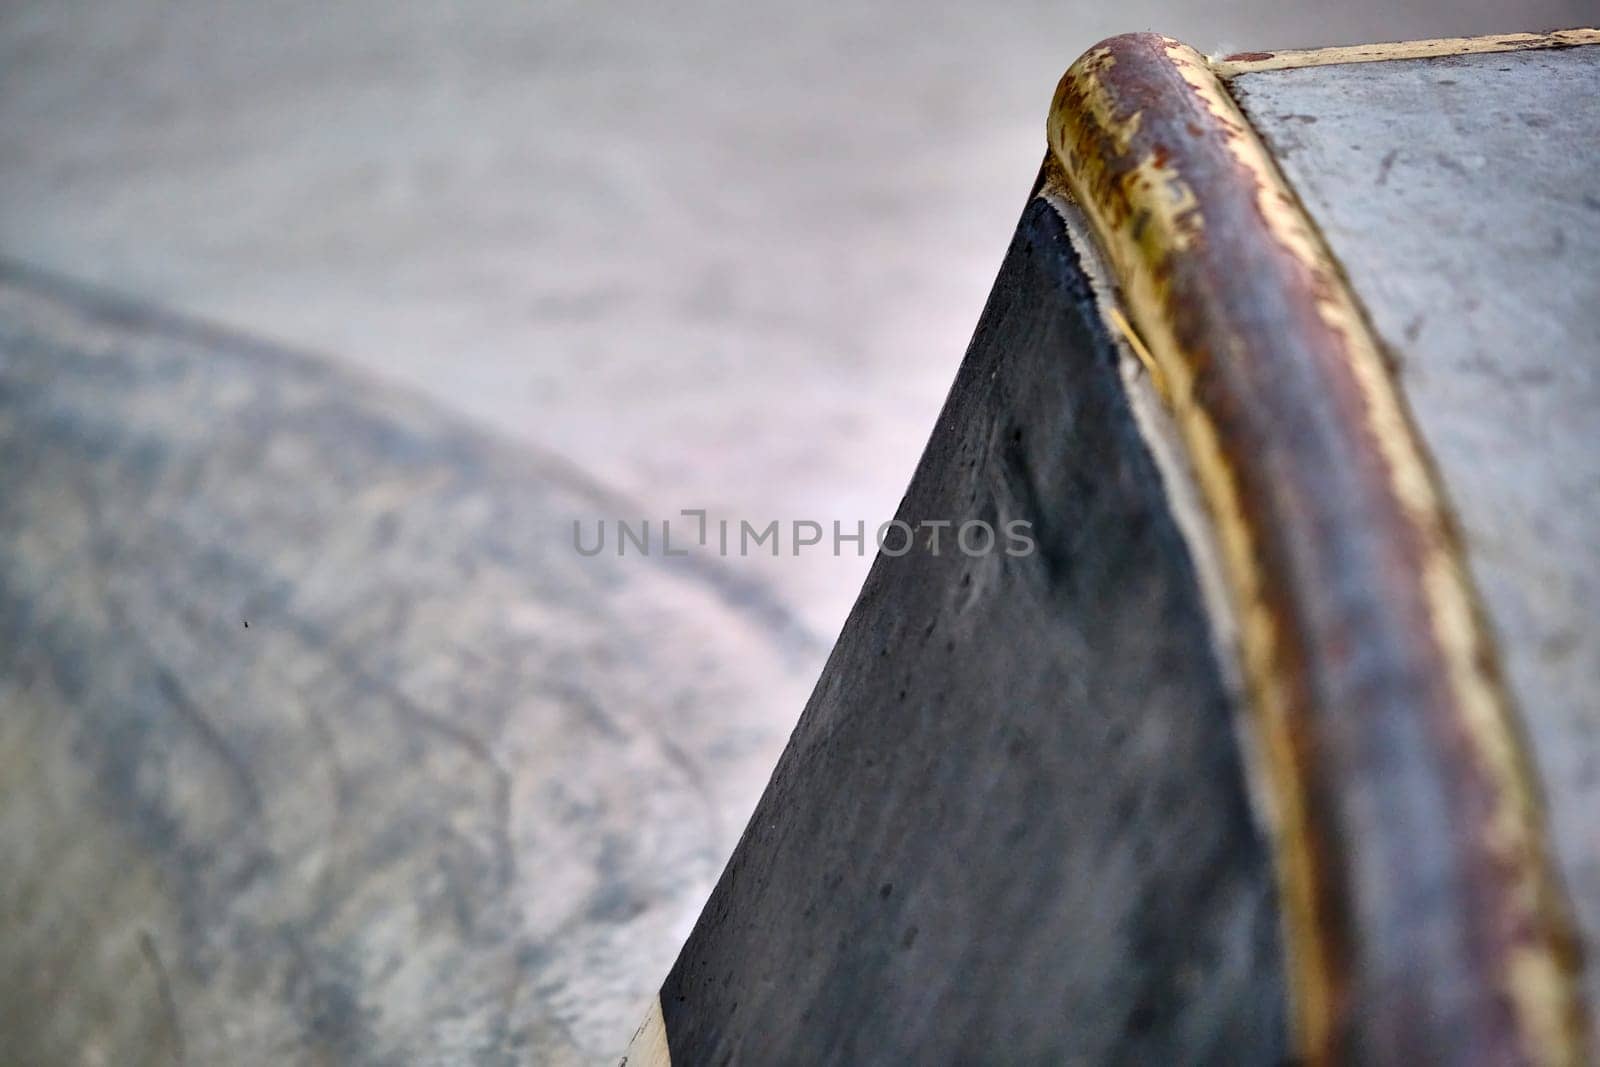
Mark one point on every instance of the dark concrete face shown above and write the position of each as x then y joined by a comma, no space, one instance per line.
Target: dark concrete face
1012,821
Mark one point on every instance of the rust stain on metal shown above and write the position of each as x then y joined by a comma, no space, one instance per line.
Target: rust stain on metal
1420,908
1254,62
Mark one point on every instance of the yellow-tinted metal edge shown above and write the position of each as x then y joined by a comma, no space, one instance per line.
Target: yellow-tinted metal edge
1254,62
1148,199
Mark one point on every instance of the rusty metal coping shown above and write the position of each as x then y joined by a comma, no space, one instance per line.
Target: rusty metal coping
1388,747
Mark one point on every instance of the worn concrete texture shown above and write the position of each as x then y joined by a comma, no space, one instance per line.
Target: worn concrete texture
712,255
311,750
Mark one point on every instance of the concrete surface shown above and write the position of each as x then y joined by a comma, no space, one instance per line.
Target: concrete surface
719,255
1012,825
311,751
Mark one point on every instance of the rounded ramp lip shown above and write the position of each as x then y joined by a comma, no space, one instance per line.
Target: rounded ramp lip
1391,752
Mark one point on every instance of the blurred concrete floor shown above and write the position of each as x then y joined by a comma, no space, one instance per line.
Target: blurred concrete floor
717,255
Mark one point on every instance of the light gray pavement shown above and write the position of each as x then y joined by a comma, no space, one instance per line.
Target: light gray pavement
722,256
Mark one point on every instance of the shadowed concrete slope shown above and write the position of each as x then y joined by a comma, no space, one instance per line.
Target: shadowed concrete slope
319,742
